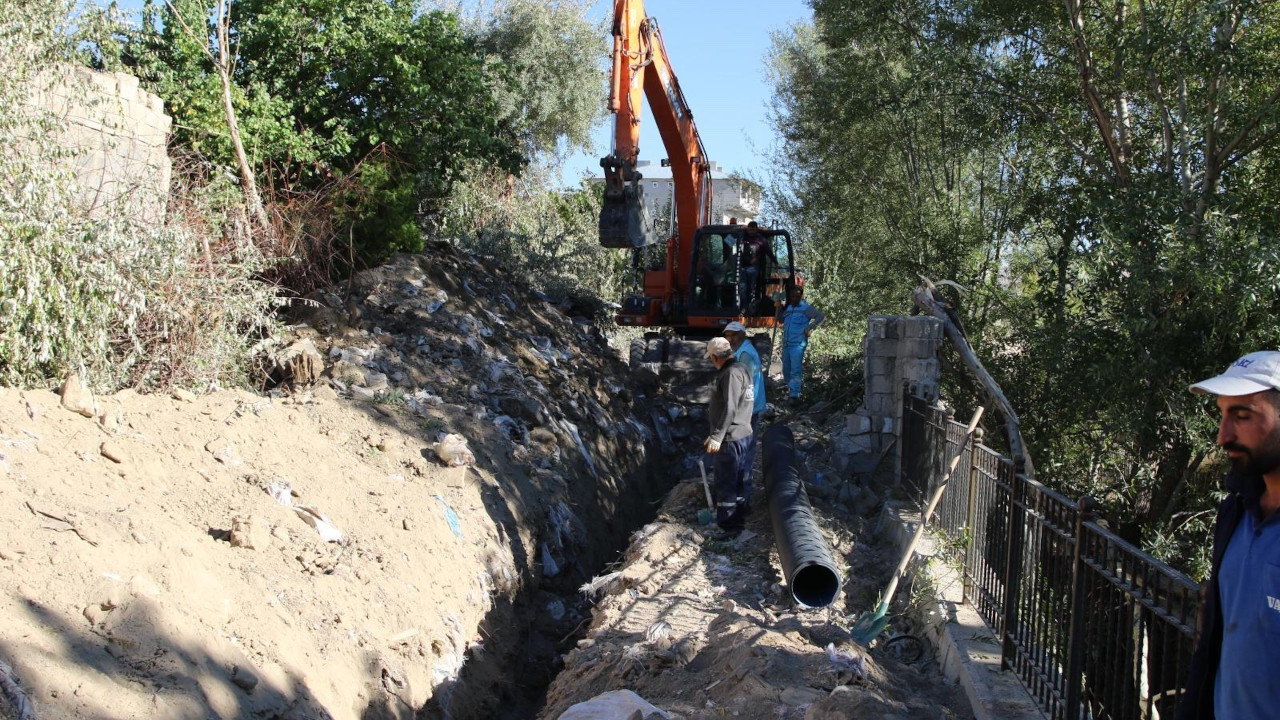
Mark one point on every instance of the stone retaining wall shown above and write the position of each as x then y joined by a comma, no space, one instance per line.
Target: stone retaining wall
117,134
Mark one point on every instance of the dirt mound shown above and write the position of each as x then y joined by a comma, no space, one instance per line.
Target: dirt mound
155,563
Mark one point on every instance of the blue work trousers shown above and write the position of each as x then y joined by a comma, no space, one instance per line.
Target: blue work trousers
747,280
793,367
749,461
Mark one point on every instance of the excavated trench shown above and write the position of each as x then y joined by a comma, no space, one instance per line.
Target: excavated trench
526,634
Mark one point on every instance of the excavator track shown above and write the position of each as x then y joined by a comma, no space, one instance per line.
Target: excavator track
680,364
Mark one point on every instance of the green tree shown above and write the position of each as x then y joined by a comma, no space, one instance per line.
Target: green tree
1100,174
321,85
545,62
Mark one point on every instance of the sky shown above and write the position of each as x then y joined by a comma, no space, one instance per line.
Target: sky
718,49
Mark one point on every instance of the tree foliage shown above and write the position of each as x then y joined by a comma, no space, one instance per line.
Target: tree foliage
546,73
406,96
1100,174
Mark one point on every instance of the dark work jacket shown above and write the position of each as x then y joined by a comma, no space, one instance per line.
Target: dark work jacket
1197,702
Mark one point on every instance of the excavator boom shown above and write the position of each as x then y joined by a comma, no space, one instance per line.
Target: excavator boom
642,70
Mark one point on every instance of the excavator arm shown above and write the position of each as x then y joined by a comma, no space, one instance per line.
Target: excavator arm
642,71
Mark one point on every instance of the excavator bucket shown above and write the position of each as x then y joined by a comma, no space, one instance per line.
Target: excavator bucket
624,220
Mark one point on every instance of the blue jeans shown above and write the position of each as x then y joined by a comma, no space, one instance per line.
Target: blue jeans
793,367
749,461
747,277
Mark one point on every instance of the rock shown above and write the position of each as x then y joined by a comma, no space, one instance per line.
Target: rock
94,614
846,703
224,451
76,396
347,373
113,452
248,534
111,418
376,382
795,696
300,363
523,408
857,424
244,679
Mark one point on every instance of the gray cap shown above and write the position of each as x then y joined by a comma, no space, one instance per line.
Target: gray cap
719,348
1253,373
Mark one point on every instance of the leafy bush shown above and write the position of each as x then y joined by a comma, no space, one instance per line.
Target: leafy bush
100,289
546,236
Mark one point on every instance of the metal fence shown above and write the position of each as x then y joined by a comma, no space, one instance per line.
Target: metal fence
1095,628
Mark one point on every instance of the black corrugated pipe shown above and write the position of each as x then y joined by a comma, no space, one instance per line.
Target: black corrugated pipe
806,561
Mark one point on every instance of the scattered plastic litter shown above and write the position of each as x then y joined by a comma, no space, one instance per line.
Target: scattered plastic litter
450,516
310,514
582,447
550,568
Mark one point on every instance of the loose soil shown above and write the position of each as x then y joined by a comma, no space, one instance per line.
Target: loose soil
162,556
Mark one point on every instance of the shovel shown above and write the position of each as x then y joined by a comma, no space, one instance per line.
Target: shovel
706,516
868,626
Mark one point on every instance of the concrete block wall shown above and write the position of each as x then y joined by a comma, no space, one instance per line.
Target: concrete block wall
901,353
117,136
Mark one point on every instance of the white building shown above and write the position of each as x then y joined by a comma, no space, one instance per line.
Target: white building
732,198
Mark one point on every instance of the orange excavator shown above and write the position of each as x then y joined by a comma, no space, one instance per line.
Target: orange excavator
711,274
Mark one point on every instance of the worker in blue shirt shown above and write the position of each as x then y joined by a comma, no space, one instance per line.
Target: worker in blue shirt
736,333
1237,650
799,319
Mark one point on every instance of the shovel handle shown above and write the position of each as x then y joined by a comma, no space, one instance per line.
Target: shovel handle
711,504
928,511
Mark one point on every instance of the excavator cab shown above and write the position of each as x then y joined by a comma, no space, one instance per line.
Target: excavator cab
719,286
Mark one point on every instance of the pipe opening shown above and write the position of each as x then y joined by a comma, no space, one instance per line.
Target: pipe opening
815,586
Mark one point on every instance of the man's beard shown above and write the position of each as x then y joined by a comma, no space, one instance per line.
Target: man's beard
1260,461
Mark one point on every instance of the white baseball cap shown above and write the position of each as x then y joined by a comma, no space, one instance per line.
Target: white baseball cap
735,326
718,347
1253,373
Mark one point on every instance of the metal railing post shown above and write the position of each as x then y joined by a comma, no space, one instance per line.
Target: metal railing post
1013,565
970,515
1075,635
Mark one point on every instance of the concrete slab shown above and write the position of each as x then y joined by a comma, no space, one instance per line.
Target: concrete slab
968,651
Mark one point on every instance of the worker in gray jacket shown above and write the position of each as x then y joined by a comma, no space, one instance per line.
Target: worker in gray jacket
730,408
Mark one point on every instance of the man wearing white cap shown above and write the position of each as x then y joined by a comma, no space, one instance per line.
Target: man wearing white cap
1233,668
736,333
732,398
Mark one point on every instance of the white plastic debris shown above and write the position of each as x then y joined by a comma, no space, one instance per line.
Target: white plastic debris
453,451
310,514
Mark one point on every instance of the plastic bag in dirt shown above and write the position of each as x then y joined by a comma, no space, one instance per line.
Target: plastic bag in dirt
453,451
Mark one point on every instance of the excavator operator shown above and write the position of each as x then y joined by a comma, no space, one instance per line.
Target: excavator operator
754,260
